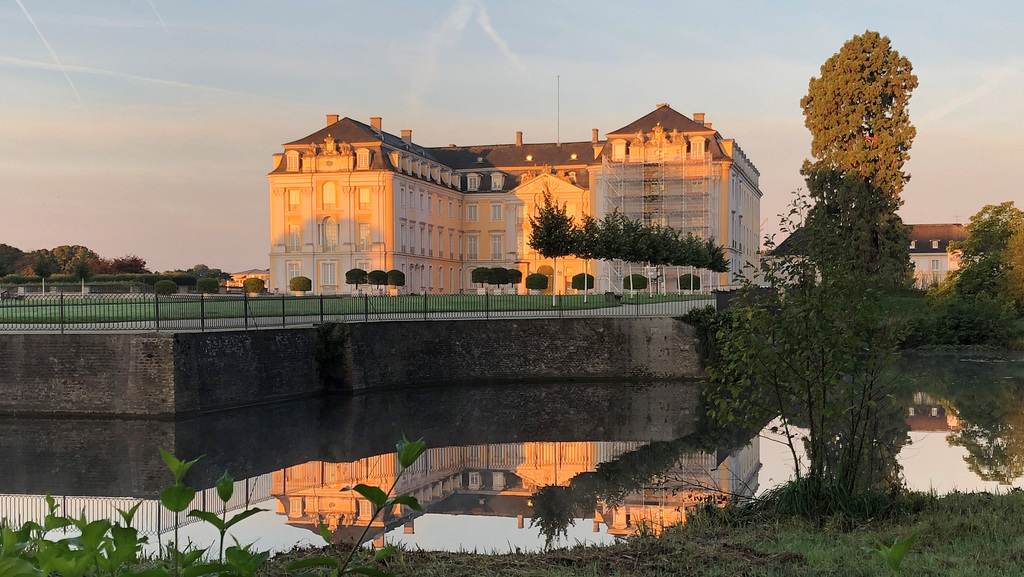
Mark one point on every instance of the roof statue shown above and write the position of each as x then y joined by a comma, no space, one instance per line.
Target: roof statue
330,148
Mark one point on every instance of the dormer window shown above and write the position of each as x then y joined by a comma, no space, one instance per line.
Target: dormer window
457,180
363,158
697,148
472,181
619,150
913,244
935,244
292,159
497,180
408,165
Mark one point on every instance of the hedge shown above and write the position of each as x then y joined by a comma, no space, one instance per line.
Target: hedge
480,275
499,275
377,277
254,285
356,276
515,276
208,285
684,282
634,282
537,281
396,277
165,287
578,280
300,284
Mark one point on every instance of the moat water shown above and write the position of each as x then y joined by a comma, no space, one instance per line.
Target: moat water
499,458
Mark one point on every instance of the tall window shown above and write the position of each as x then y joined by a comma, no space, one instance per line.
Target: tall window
472,182
472,247
294,269
495,211
471,212
497,179
363,158
403,236
364,198
450,213
497,246
935,264
294,237
440,243
520,243
294,199
329,273
364,236
430,205
330,234
330,196
293,161
451,247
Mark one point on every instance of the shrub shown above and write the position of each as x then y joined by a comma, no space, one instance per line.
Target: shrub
481,275
356,276
686,279
208,285
377,277
165,287
579,279
537,281
515,276
634,282
396,278
300,284
254,285
499,275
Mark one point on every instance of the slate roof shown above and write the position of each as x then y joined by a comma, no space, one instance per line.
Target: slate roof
664,115
511,155
924,234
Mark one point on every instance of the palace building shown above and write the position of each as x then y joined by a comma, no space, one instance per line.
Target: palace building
352,195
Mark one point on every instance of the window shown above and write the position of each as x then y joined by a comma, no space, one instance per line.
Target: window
935,244
440,278
364,198
440,243
430,205
329,273
294,237
495,211
472,247
292,160
294,199
423,203
329,238
423,239
471,212
497,246
913,244
403,238
497,179
697,148
364,236
520,243
440,208
450,212
935,264
362,158
619,151
472,182
294,269
451,246
330,196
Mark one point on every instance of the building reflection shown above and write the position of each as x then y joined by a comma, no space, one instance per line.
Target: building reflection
928,414
501,480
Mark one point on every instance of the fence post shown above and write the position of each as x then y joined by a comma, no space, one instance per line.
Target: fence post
156,309
366,308
284,321
202,312
245,309
487,305
424,304
321,308
61,312
559,306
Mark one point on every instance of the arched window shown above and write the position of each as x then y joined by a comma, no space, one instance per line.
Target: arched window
330,196
329,234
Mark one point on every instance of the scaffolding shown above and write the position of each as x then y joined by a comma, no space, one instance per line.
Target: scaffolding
663,186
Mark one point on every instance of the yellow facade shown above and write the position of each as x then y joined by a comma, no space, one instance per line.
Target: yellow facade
352,195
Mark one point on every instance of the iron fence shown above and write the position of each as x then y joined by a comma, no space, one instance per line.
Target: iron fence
149,312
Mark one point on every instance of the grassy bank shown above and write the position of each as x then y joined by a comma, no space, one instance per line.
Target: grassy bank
960,535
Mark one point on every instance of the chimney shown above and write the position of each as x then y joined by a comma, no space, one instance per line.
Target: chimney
707,125
593,135
331,119
519,138
406,136
375,122
698,117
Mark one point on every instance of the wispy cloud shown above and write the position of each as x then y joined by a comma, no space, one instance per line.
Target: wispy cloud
52,53
160,18
993,80
20,62
485,23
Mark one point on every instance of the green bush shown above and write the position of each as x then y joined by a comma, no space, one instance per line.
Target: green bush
515,276
686,279
634,282
396,278
254,285
499,276
377,277
300,284
973,320
356,276
537,281
165,287
579,279
208,285
480,275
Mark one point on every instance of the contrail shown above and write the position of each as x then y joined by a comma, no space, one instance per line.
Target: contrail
485,23
52,53
160,18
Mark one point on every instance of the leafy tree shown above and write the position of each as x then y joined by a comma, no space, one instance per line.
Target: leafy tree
82,271
44,268
9,257
129,263
689,282
480,275
396,278
857,113
587,243
853,230
986,261
203,271
208,285
67,255
499,276
1015,260
551,233
356,276
100,265
515,276
377,278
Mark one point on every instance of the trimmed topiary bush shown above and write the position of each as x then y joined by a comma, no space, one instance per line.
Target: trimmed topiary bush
300,284
684,282
634,282
396,278
165,287
356,276
515,276
254,285
537,281
480,275
579,279
499,276
208,285
377,277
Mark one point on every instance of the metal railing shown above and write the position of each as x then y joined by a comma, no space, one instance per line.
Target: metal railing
137,312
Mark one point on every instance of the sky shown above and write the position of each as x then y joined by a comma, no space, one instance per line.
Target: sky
147,126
